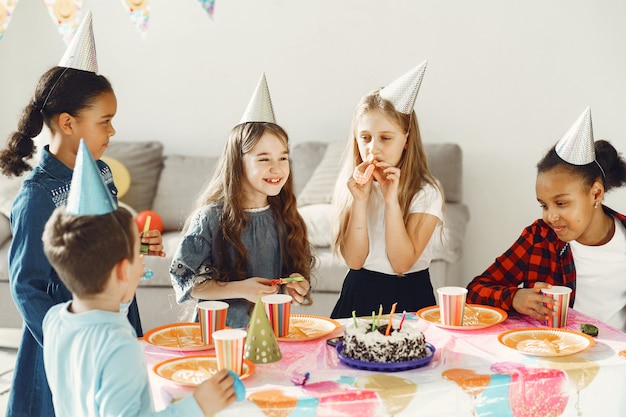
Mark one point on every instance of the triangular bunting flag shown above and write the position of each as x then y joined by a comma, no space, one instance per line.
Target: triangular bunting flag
6,11
208,6
261,344
66,15
139,12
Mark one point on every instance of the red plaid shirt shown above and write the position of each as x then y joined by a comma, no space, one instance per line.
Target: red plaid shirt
537,256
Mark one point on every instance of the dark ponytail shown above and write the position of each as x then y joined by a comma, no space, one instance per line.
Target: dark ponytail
59,90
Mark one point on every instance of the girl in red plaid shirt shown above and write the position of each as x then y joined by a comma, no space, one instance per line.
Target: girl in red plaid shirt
578,242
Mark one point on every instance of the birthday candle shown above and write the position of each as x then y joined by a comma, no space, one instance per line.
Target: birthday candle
402,319
354,318
373,320
393,310
380,313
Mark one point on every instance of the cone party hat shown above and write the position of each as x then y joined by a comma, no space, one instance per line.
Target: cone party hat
260,106
261,344
577,145
81,53
88,195
403,91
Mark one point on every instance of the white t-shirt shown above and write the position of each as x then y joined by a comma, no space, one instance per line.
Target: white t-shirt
428,200
601,279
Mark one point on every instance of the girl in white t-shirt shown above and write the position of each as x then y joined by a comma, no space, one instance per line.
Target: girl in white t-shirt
391,207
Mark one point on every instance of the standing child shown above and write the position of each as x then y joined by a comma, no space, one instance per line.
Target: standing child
74,102
391,206
93,361
245,229
578,242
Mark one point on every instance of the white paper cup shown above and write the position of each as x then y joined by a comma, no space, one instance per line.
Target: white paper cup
229,344
278,309
561,296
212,317
452,305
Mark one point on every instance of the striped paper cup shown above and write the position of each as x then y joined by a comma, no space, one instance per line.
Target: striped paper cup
451,305
229,344
561,295
278,309
212,315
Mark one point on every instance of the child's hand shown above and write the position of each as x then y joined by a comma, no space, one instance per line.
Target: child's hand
297,289
254,288
360,184
530,301
155,240
388,177
216,393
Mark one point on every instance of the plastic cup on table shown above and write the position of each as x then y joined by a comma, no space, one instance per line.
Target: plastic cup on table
278,309
561,295
229,347
212,316
452,305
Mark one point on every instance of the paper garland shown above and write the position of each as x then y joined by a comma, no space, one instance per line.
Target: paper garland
6,11
208,6
66,16
139,11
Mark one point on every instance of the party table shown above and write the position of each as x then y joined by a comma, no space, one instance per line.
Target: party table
471,374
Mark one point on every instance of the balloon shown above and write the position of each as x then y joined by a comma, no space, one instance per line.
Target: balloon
155,221
396,393
121,176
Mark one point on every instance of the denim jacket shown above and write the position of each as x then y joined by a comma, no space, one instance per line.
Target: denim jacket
35,286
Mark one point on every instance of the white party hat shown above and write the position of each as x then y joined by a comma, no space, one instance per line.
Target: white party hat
260,106
577,145
81,53
88,195
403,91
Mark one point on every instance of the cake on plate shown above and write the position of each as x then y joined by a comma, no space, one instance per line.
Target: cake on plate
365,343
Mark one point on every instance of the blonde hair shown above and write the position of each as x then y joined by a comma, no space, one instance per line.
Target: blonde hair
413,163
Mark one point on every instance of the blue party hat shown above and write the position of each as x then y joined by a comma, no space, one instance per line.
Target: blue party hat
260,106
88,195
403,91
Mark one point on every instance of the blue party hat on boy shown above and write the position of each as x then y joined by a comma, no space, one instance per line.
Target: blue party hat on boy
81,53
260,106
88,195
403,91
577,145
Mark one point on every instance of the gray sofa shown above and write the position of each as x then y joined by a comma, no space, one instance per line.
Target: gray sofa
168,185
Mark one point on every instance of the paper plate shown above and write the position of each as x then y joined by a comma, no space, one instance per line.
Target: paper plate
541,341
182,337
487,316
191,371
304,327
386,366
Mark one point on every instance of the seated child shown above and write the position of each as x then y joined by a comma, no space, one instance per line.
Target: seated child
93,361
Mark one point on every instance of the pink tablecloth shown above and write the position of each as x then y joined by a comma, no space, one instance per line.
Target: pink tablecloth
471,374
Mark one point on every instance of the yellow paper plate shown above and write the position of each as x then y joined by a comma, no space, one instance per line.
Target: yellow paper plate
540,341
304,327
183,337
487,316
191,371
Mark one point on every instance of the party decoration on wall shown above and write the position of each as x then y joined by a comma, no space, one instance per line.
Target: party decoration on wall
66,15
208,6
6,11
139,11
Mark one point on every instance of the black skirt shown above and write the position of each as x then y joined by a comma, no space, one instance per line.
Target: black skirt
364,291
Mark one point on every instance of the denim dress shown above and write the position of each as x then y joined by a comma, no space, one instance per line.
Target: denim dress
196,258
35,286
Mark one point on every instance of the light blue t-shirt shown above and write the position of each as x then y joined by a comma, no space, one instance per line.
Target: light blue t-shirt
95,367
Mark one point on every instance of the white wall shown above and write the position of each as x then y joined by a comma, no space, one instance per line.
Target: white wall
505,79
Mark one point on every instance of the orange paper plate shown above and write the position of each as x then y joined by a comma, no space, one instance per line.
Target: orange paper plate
542,341
487,316
191,371
182,337
304,327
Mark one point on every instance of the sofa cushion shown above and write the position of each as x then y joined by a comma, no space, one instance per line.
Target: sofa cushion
317,220
319,189
445,161
449,246
144,161
182,179
305,157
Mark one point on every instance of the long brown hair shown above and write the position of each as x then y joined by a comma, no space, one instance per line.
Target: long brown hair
225,188
413,162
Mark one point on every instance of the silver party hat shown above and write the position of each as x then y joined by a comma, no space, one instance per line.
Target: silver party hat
260,106
88,195
81,53
403,91
577,146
